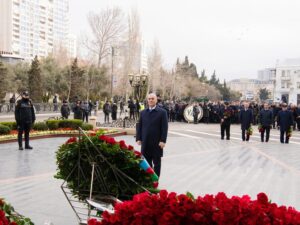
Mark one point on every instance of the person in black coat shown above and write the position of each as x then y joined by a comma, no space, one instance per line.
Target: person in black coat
25,117
225,114
284,121
65,110
152,133
196,112
266,121
78,114
246,118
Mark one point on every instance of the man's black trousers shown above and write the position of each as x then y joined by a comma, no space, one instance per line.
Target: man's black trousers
24,127
225,127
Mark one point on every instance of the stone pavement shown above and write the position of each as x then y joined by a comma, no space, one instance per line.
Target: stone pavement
195,160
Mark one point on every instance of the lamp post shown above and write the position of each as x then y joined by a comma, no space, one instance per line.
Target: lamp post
137,82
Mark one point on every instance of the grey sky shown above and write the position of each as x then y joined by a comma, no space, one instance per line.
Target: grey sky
235,37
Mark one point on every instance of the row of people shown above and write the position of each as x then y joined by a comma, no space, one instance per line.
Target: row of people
284,121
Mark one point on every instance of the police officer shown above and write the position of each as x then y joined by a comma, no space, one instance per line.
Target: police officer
225,116
266,121
25,117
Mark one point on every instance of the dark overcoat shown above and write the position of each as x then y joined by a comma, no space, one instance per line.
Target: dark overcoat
152,129
246,118
285,120
266,117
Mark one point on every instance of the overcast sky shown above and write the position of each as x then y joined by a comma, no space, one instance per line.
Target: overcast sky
234,37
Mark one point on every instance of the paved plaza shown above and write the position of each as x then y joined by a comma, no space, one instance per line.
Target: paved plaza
195,160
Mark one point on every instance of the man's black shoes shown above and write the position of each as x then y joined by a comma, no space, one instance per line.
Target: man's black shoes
28,147
21,148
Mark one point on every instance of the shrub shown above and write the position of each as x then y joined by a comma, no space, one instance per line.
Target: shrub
40,126
4,129
70,124
11,125
52,124
86,126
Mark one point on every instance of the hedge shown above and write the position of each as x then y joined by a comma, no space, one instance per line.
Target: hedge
11,125
4,129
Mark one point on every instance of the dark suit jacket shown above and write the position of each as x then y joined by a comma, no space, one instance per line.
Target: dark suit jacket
246,118
152,129
285,120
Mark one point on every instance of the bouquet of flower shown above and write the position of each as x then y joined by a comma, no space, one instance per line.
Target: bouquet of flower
171,208
227,114
260,128
289,132
250,131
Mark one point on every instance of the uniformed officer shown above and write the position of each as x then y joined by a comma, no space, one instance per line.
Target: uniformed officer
225,116
25,117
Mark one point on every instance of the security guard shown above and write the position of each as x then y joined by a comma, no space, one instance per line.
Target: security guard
25,117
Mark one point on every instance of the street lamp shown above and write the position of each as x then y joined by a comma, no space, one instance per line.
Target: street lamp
138,81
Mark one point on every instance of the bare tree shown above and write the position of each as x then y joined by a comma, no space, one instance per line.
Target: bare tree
155,67
107,28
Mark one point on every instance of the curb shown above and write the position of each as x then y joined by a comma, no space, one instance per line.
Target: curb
57,135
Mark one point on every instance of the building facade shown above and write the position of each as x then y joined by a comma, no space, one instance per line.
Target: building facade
33,27
249,88
287,81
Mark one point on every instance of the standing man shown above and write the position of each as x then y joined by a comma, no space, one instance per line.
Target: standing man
284,121
25,117
65,110
107,111
196,112
225,116
152,132
246,119
266,121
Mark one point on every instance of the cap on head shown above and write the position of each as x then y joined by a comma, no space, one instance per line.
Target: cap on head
284,105
226,103
25,93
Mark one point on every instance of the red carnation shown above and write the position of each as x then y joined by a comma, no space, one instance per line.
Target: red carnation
130,147
71,140
103,138
13,223
122,144
93,221
262,198
137,153
111,141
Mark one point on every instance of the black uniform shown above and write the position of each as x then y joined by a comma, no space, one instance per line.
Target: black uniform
65,110
25,117
266,121
225,116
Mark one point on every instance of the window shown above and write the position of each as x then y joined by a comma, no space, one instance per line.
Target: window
283,73
298,85
282,85
288,73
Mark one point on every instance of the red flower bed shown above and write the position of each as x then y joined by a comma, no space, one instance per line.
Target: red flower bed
172,209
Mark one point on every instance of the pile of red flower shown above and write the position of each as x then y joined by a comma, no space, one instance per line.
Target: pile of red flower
172,209
9,217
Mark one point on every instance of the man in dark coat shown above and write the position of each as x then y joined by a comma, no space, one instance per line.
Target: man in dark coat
225,114
246,118
25,117
285,122
266,121
152,132
65,110
78,114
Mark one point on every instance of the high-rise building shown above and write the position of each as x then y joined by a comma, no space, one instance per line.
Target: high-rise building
33,27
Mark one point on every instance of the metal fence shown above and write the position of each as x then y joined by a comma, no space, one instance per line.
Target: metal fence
7,108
